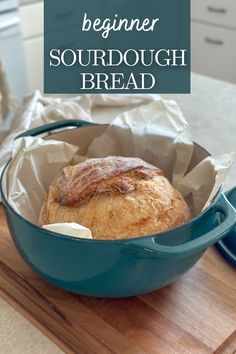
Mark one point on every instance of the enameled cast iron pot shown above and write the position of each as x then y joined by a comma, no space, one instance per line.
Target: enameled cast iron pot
116,268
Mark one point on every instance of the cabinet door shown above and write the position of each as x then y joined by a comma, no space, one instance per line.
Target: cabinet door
214,51
219,12
34,62
31,16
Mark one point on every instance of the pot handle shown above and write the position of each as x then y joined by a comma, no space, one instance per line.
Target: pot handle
55,125
199,244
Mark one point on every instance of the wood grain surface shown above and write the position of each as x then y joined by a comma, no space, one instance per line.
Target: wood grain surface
228,347
196,314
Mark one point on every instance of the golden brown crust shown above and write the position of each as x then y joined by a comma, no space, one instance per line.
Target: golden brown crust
77,184
129,199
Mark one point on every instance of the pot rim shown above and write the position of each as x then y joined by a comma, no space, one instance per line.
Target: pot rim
79,239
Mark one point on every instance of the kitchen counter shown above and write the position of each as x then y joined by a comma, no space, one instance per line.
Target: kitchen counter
209,286
26,2
19,336
211,113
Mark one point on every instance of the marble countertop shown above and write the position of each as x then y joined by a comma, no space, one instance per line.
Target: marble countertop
211,112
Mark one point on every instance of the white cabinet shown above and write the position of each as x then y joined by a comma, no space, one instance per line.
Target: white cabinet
218,12
32,32
34,62
214,51
214,38
31,19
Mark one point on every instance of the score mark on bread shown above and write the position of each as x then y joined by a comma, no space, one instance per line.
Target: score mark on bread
77,184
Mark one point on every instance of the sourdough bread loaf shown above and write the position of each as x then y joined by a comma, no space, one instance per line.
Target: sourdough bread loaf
115,197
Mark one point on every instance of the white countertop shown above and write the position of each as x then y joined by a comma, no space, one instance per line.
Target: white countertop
19,336
211,112
27,2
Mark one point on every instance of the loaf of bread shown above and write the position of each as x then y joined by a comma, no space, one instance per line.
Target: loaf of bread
115,197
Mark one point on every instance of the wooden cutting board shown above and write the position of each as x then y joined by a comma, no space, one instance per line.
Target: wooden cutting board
196,314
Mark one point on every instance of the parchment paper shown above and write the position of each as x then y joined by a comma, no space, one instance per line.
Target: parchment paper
156,132
38,109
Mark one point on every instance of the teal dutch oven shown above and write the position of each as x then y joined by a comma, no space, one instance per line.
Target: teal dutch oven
115,268
227,246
